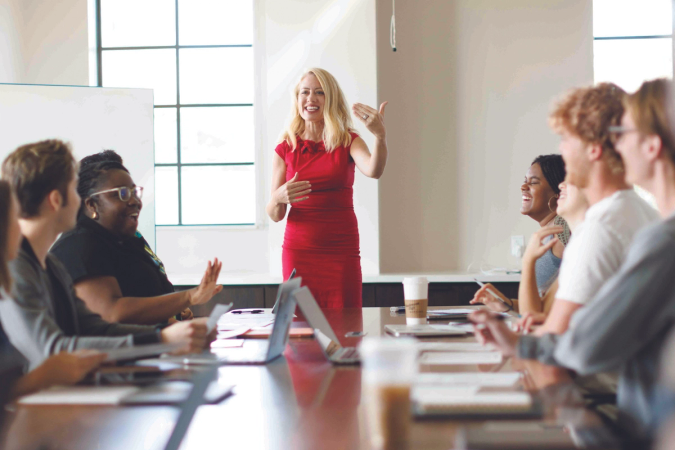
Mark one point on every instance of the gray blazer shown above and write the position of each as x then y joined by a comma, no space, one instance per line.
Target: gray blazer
623,328
29,319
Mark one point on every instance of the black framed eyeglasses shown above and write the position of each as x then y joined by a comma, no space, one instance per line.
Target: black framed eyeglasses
619,129
124,192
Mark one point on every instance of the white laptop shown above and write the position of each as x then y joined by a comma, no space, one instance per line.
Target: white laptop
254,351
330,345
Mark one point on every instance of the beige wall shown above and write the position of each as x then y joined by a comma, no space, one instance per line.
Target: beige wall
470,87
44,42
11,47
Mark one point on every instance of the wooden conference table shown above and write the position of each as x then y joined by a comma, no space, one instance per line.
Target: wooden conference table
299,401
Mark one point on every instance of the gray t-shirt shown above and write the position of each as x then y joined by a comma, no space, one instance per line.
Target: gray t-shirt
623,328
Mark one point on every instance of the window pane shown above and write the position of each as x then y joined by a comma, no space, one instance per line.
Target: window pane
166,136
153,69
632,17
217,134
629,62
166,195
216,75
133,23
215,22
232,186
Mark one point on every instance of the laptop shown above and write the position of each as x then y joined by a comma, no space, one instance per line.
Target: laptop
296,284
425,330
254,351
328,341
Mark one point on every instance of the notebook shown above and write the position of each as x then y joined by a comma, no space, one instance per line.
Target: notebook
472,402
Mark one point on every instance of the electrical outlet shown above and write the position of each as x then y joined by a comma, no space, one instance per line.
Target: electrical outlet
517,246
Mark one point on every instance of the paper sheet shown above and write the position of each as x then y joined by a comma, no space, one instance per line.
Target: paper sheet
227,343
468,397
484,379
446,358
80,395
233,321
457,311
218,311
453,347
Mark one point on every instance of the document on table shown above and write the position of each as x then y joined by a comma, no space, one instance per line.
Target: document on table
468,396
235,321
483,379
227,343
170,392
448,358
453,347
80,395
140,351
218,311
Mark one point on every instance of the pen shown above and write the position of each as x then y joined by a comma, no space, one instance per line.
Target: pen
492,293
397,309
251,311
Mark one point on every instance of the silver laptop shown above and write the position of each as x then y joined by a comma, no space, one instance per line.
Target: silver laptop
295,284
425,330
255,351
330,345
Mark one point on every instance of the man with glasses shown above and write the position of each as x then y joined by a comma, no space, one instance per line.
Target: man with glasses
45,316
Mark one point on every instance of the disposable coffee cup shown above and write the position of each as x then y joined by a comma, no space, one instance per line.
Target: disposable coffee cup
416,299
388,369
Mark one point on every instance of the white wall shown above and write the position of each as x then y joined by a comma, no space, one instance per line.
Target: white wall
470,87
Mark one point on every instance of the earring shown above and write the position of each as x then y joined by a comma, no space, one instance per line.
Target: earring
549,203
94,215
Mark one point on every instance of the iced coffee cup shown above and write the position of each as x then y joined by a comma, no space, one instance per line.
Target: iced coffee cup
389,366
416,298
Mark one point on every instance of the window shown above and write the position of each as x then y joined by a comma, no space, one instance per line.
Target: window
632,41
197,56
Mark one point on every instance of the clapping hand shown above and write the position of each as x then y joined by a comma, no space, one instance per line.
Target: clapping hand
371,118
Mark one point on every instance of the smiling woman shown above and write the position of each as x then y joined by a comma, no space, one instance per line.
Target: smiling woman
113,268
313,173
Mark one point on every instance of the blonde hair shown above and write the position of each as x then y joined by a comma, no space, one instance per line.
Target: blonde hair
336,117
649,107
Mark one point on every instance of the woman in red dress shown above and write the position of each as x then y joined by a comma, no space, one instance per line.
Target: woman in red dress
313,171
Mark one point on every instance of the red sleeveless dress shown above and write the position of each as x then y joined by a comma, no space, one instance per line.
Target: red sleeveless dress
322,238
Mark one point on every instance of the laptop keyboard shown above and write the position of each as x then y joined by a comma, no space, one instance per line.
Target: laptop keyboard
350,353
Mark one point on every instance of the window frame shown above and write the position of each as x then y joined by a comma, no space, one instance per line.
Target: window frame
178,164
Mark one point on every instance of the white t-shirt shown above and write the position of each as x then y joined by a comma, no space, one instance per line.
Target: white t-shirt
600,243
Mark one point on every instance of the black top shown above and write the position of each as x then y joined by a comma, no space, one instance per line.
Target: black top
89,250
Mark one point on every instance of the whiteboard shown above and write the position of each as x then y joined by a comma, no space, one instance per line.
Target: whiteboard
91,119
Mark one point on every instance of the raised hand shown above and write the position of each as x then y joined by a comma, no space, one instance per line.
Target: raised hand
371,118
208,286
535,248
484,297
292,191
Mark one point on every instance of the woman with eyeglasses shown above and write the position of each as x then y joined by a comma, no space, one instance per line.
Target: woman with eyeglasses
114,270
